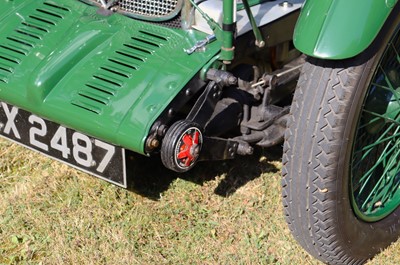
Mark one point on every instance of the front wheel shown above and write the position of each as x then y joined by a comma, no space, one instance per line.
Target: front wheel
341,171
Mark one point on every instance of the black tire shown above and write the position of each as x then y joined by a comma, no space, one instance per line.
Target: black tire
316,183
175,153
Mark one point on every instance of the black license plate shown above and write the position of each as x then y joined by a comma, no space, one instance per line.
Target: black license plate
76,149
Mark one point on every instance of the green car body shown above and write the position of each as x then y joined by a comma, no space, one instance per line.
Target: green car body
332,29
112,77
108,76
193,81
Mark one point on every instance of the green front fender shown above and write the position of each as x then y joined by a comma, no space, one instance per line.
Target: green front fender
339,29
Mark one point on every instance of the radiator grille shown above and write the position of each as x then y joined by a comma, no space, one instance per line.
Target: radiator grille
154,10
149,7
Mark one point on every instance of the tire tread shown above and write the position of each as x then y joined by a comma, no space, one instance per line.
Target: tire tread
315,156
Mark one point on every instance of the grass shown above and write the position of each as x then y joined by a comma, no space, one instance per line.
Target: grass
220,213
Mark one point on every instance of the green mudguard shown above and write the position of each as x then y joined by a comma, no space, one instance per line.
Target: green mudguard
332,29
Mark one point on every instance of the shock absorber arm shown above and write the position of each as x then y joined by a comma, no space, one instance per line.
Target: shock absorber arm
257,33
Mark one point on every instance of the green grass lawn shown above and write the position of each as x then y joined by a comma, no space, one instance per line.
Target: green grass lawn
219,213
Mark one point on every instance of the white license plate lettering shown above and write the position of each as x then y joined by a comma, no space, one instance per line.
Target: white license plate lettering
107,158
82,150
59,142
10,126
40,129
77,149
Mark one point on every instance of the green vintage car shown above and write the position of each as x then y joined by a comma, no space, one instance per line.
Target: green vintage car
83,81
88,82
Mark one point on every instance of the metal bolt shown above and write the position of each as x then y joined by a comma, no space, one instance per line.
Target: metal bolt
260,44
154,143
286,4
250,150
232,80
161,130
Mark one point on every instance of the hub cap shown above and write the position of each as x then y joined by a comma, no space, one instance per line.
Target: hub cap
188,148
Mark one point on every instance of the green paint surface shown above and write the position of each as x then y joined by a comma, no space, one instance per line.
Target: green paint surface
339,29
107,76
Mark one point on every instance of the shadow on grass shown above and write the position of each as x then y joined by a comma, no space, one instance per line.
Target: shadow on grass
149,178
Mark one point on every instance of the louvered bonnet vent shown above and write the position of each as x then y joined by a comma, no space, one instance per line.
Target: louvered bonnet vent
153,10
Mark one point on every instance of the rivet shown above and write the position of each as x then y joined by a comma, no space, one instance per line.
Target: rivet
286,4
390,3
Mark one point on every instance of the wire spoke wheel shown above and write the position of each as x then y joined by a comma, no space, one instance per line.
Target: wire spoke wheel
375,171
341,169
